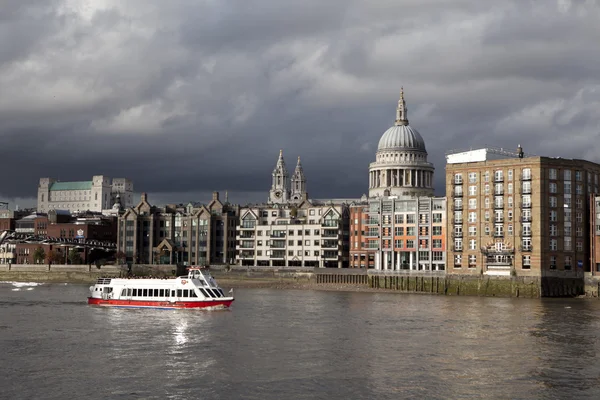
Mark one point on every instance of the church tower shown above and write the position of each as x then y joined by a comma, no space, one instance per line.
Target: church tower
298,192
280,190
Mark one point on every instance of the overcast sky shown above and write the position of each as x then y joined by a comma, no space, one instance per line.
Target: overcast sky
190,97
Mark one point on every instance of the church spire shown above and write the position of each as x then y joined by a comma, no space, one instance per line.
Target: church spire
401,116
280,190
298,183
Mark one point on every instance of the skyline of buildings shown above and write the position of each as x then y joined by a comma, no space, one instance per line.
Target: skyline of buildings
494,218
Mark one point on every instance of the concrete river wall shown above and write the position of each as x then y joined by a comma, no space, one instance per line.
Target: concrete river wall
437,283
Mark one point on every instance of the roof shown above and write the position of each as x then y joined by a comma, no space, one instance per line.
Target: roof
84,185
400,138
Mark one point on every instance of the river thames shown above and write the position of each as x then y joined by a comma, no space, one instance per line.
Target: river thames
298,344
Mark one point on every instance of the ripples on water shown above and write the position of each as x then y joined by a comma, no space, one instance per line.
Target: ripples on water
287,344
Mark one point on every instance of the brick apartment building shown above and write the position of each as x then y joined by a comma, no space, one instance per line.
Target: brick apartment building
509,213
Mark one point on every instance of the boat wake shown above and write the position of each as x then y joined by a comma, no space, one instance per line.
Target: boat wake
19,285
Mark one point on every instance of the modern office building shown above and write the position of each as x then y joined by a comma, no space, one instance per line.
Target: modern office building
512,213
96,195
401,226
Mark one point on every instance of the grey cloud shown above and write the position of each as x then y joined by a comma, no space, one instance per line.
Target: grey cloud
190,97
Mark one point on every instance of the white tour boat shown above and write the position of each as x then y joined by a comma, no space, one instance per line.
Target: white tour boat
196,290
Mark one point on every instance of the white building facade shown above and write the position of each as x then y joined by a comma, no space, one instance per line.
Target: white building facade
303,235
96,195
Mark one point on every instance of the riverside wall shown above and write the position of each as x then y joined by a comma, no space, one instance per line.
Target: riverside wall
557,285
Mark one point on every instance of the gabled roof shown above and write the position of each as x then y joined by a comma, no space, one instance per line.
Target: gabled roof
251,213
84,185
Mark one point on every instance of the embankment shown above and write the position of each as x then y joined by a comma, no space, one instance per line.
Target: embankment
437,283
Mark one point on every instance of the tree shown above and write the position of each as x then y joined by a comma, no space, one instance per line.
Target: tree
53,257
74,256
120,256
39,255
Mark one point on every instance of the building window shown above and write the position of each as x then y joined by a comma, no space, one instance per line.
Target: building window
552,187
553,216
437,217
486,176
399,218
553,230
473,190
472,244
553,244
568,261
498,176
472,260
567,173
579,245
526,262
472,217
437,243
552,174
472,231
472,204
458,179
457,260
472,177
552,262
486,189
553,201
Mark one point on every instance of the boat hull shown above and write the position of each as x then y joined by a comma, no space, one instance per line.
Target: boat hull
204,304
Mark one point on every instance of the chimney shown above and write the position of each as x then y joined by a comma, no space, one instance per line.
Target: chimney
215,195
145,197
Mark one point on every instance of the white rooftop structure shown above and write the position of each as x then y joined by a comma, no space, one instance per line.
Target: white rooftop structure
483,154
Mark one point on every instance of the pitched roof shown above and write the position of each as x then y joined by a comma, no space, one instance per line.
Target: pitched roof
85,185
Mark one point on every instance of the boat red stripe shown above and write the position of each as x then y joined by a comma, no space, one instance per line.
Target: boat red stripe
160,304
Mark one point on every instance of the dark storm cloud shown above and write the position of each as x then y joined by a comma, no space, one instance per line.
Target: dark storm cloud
189,97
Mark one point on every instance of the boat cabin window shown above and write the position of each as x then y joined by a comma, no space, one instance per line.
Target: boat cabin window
172,293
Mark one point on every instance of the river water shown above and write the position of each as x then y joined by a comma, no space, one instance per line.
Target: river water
293,344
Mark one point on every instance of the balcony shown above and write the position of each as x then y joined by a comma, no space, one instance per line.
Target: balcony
372,222
458,181
277,235
525,233
333,235
457,249
525,205
371,234
499,192
498,206
498,234
246,245
246,254
526,177
499,179
495,252
458,207
526,248
498,220
457,220
277,254
526,190
526,218
457,234
246,235
329,244
457,194
247,226
277,244
330,255
333,222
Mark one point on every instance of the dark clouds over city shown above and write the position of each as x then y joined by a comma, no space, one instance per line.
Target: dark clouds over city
187,97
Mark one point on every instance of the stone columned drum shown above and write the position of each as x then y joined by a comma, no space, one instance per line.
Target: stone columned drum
401,168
